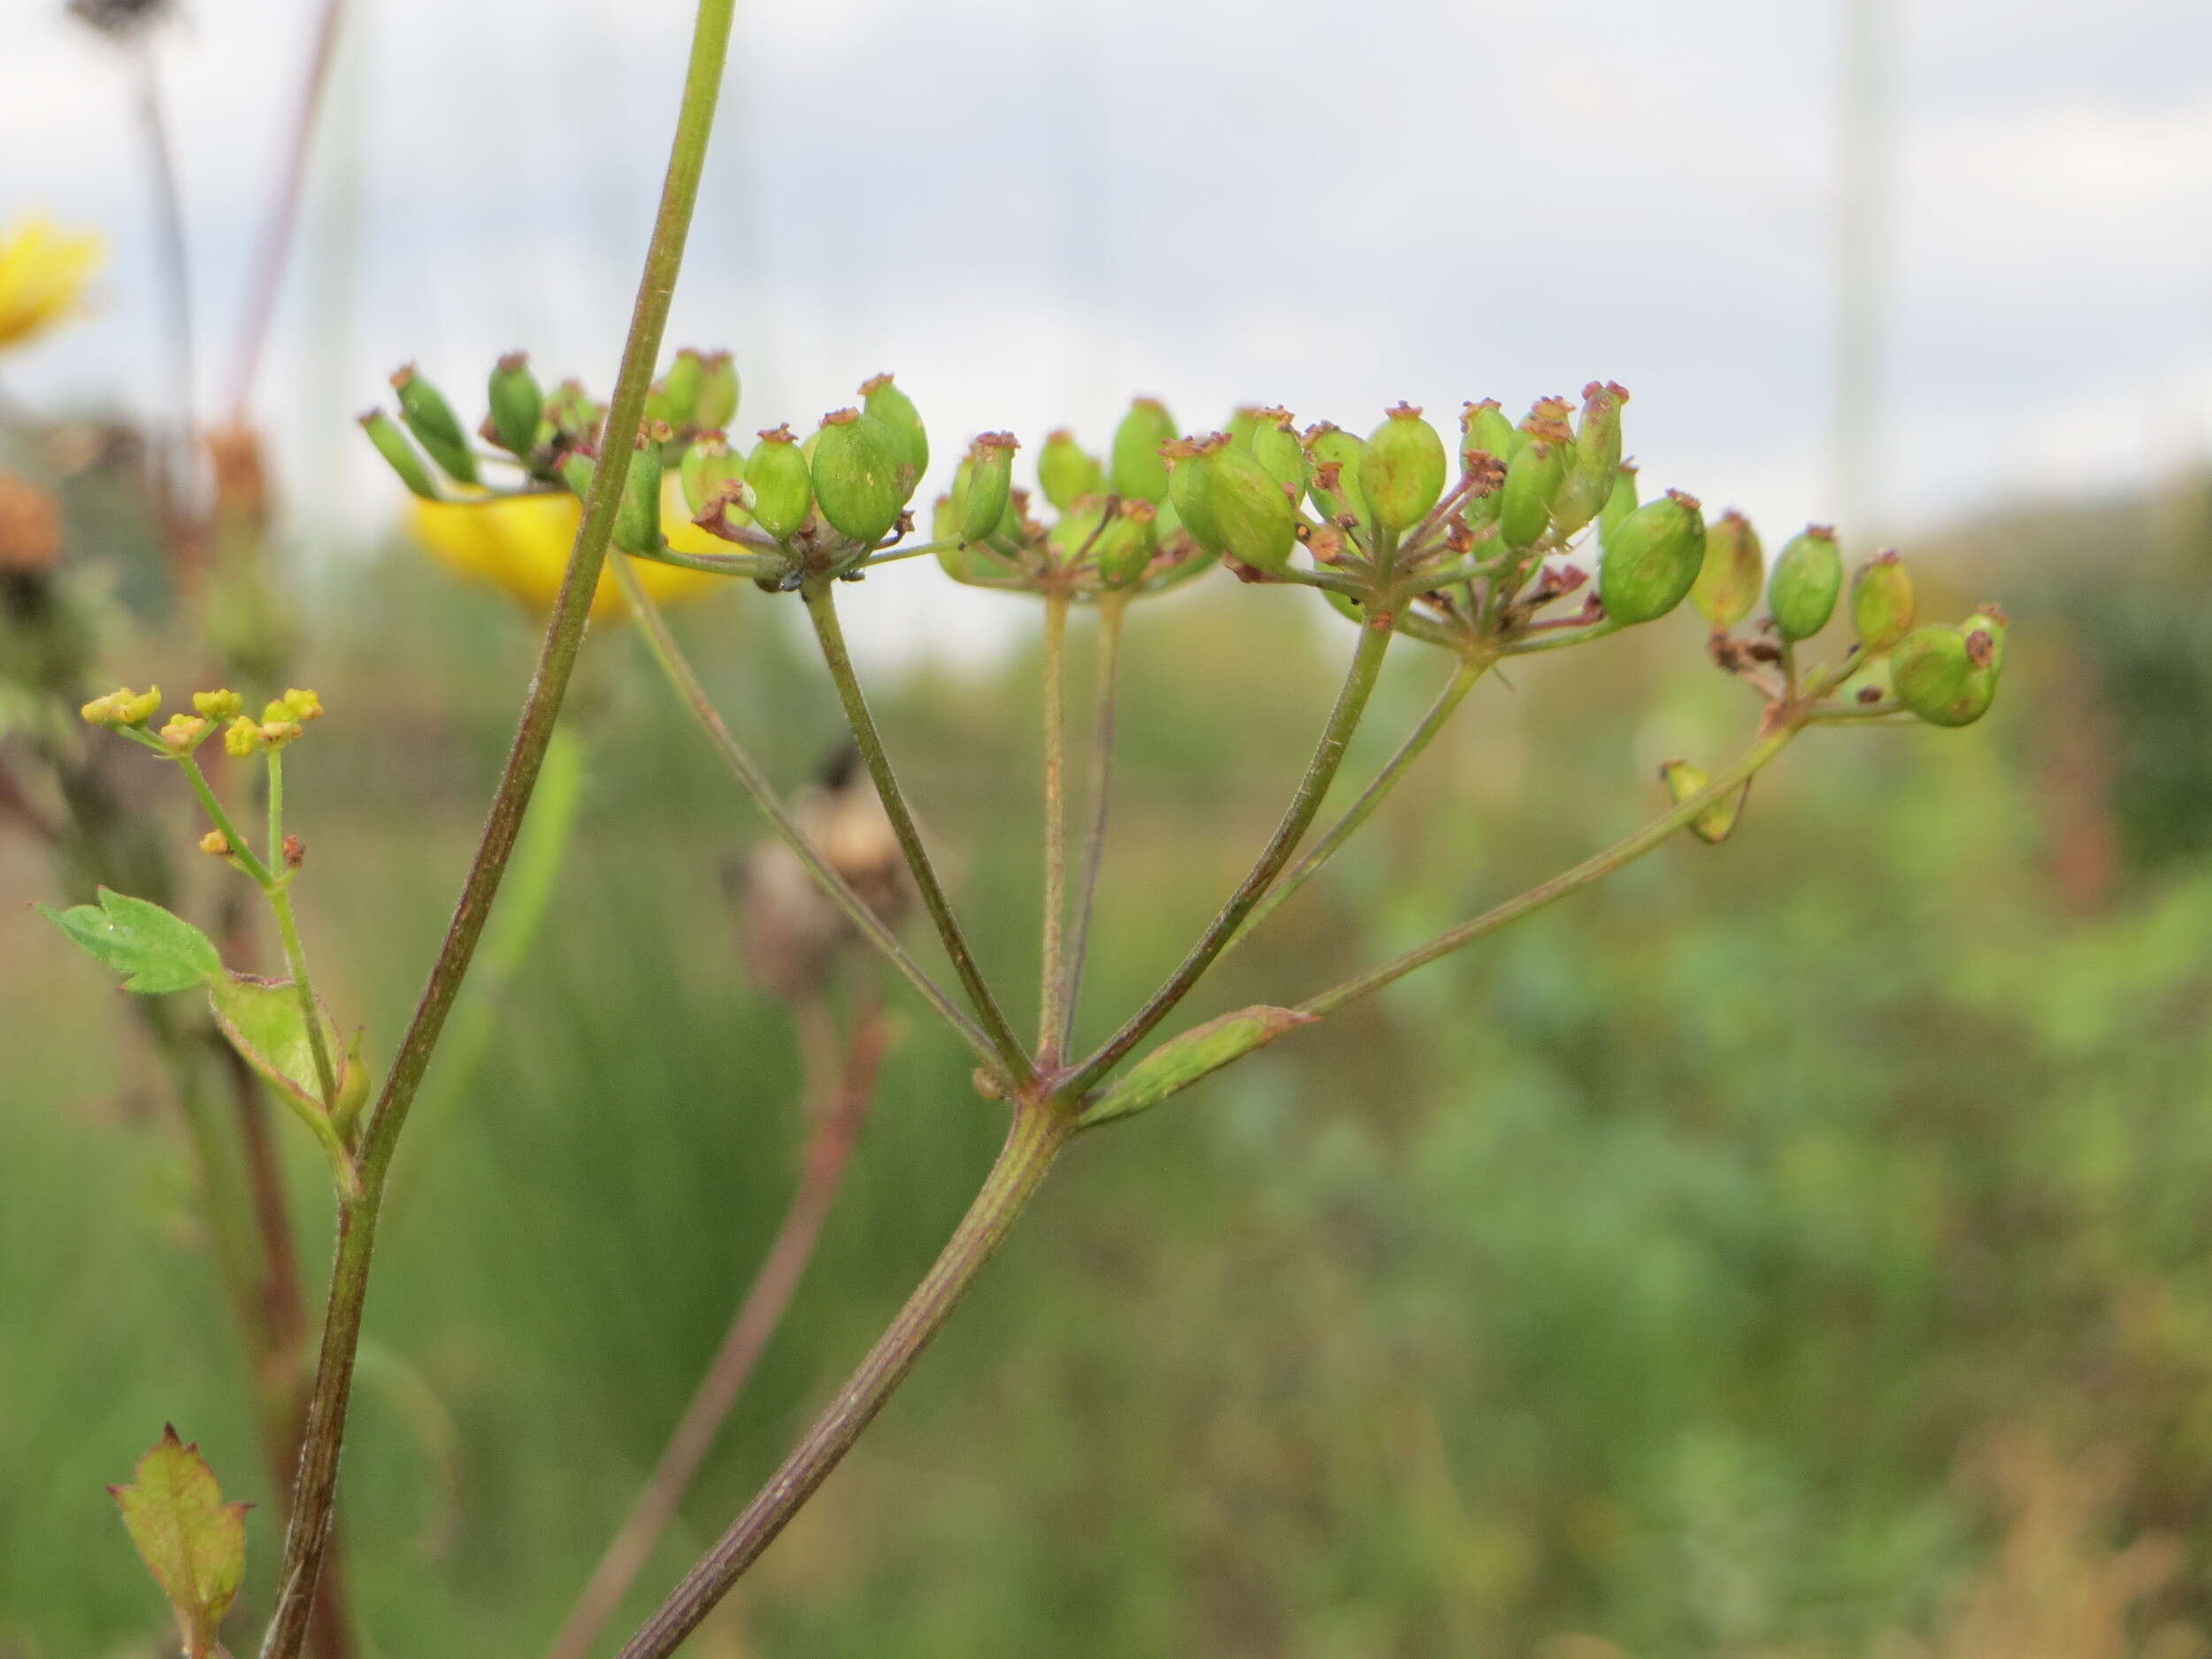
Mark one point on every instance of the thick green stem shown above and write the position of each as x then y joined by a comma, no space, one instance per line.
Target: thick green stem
822,608
1595,868
1052,969
1456,689
1112,607
307,1536
1040,1132
674,665
1328,756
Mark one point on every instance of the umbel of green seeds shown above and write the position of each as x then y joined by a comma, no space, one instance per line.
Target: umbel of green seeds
1063,471
782,489
1139,470
1933,672
1336,476
857,462
430,418
1403,470
983,489
1807,576
1653,559
1734,571
881,398
1230,503
1881,602
517,404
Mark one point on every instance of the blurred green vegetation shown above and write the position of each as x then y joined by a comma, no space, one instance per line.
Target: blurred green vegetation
1796,1247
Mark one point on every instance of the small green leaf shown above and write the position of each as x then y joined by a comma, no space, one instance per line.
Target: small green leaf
192,1541
153,950
1182,1061
262,1020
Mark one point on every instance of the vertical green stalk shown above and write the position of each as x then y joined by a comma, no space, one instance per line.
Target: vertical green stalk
1305,801
1456,689
1052,970
1040,1130
308,1535
1112,607
822,609
278,890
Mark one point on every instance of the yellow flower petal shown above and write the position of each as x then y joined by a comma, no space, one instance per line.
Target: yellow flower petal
43,276
521,547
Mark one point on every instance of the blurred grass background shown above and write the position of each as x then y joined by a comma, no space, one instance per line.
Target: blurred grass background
1791,1248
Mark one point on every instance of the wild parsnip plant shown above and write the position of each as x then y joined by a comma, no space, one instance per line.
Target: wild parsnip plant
1517,537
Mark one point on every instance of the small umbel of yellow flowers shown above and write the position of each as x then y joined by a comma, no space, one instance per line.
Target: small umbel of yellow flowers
123,708
43,271
282,721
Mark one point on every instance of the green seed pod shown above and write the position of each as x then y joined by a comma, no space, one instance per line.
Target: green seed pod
1735,571
574,417
1985,632
1139,472
1653,559
709,465
783,489
1620,505
718,391
1336,460
1125,547
1596,462
637,521
399,454
856,475
1403,471
1531,479
577,472
680,387
1717,822
1934,675
1074,532
1276,447
895,410
1881,602
430,418
1807,576
1483,427
1063,471
1233,504
1484,476
1244,423
517,404
982,490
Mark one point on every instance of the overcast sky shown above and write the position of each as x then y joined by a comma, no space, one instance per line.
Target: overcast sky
1029,211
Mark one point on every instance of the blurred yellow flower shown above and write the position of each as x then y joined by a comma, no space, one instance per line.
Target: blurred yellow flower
521,546
43,275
